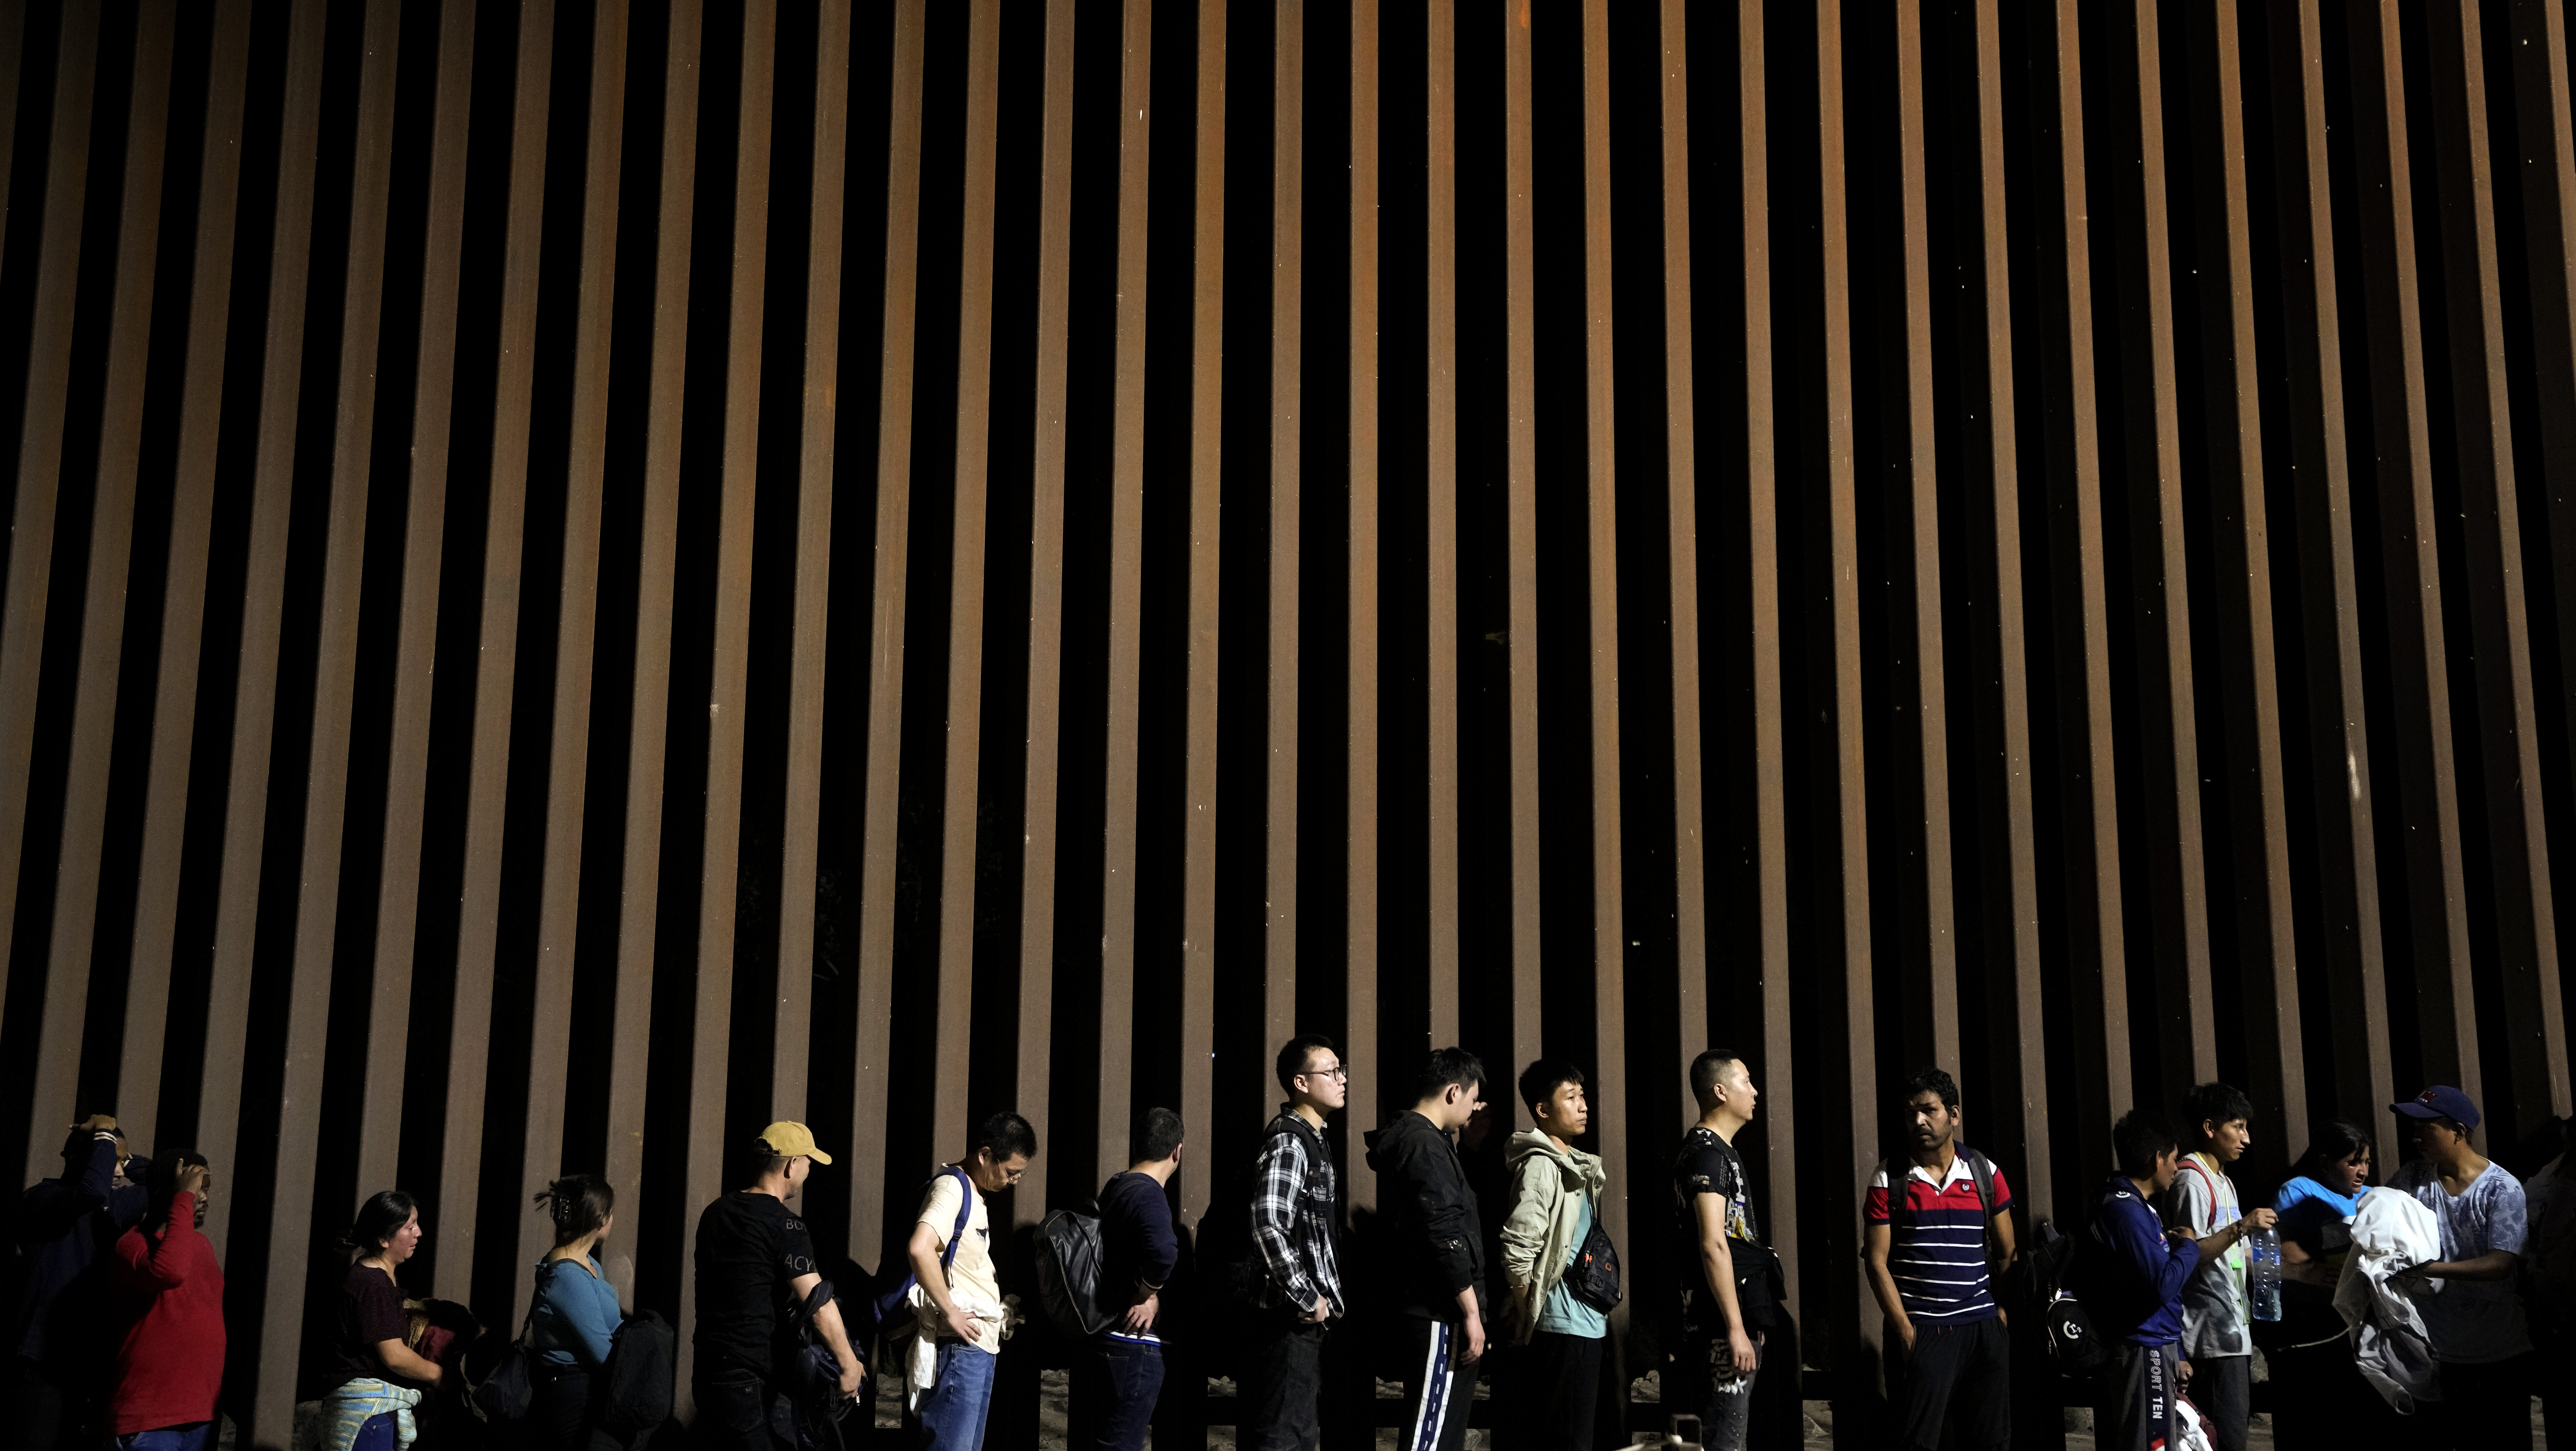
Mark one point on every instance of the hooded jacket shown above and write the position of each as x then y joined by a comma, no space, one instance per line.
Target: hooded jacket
1549,1188
2134,1275
1435,1240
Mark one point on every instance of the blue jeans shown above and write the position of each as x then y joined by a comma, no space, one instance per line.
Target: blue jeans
380,1433
951,1413
1131,1375
195,1437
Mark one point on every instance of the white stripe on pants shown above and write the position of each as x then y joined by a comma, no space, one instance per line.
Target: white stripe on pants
1433,1416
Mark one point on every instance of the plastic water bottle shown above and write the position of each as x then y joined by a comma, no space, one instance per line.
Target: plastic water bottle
2265,1274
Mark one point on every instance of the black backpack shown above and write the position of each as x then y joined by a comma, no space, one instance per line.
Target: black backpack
641,1369
2074,1346
1069,1255
1231,1271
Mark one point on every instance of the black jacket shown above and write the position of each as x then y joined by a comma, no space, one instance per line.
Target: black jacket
1435,1241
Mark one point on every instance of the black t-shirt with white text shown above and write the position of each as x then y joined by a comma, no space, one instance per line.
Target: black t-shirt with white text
751,1249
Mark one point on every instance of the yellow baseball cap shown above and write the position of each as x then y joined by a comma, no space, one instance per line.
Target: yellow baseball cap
791,1140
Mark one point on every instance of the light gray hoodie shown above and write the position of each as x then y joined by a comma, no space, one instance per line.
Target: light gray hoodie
1549,1188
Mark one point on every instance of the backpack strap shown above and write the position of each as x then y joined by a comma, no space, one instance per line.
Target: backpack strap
965,1211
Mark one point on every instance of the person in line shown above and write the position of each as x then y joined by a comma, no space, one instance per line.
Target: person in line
170,1293
755,1259
2217,1318
1556,1198
54,1384
2481,1343
377,1379
1436,1244
2318,1394
1949,1361
2549,1280
572,1322
965,1318
1298,1294
2131,1275
1138,1252
1725,1300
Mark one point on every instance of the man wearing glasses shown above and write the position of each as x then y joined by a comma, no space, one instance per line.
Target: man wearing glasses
1300,1290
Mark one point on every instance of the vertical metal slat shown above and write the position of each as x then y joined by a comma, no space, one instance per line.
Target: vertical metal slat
801,826
1287,416
1770,793
1440,491
870,1077
31,556
1046,596
1207,419
966,582
1360,1029
183,598
1126,563
299,1119
1681,433
648,740
1520,401
711,1022
111,538
416,636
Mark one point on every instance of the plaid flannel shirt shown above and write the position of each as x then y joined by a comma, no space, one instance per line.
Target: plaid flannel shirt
1292,1220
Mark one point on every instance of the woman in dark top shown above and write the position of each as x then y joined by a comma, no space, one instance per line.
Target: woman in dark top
379,1378
572,1323
2319,1396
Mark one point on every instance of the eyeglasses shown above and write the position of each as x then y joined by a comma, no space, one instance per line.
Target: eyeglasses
1339,1075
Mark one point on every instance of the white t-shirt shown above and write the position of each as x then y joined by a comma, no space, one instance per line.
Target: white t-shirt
2472,1321
2215,1310
972,1269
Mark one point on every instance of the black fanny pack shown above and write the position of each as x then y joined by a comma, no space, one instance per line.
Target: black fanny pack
1593,1278
1760,1281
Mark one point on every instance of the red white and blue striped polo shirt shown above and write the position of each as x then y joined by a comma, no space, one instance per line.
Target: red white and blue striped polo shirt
1937,1243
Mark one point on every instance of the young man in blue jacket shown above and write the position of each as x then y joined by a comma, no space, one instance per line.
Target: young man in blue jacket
2132,1284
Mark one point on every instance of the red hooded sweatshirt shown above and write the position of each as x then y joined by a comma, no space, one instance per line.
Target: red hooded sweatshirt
172,1359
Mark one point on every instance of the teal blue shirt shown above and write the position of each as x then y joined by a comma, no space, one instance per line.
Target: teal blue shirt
1562,1314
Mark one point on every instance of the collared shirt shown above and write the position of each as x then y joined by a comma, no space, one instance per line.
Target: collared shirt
1937,1246
1292,1217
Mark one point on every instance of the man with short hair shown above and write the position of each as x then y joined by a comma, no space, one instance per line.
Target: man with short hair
2132,1277
1725,1284
61,1343
1299,1290
961,1326
1436,1245
2217,1322
1556,1199
755,1258
1138,1251
2481,1342
1949,1362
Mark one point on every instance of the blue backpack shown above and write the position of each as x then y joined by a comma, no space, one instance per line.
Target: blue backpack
888,1311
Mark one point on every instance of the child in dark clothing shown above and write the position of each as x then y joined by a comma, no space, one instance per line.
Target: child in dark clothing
2133,1274
1138,1253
